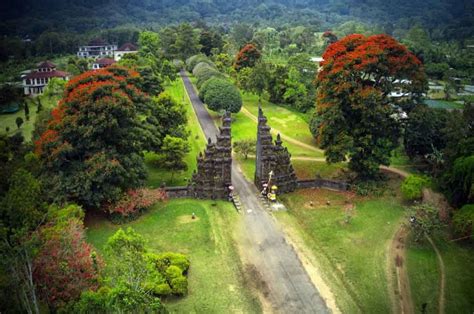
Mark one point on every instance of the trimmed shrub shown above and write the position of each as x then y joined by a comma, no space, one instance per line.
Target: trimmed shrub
207,76
180,285
202,67
220,94
413,185
192,61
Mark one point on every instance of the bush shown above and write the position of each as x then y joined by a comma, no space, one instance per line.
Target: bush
220,94
167,273
133,202
192,61
463,220
203,78
180,285
413,185
202,67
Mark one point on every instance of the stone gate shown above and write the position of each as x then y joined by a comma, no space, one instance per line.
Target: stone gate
272,157
214,168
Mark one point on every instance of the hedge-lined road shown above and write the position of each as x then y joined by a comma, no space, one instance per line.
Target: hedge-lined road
285,282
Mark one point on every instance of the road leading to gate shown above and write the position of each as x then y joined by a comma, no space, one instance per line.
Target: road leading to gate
287,285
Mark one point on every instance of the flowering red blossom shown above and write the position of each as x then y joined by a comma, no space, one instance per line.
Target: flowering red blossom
247,57
136,200
354,110
66,264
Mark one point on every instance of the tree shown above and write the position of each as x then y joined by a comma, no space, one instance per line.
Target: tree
247,57
19,121
126,251
423,132
221,95
173,150
64,255
245,147
26,108
92,150
358,118
296,93
187,41
55,87
276,87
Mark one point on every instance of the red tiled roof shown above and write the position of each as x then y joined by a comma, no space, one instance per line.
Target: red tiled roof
128,47
105,61
47,74
46,64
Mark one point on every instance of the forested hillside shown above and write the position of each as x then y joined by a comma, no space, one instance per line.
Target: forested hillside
441,17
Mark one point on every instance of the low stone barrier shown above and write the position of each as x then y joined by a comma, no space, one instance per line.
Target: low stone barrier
323,183
177,191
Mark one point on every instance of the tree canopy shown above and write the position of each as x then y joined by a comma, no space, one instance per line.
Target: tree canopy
358,118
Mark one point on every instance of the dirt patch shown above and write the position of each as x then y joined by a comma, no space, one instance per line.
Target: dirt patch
439,201
400,288
185,219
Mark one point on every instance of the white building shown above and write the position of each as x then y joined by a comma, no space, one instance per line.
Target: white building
35,81
123,50
97,49
102,63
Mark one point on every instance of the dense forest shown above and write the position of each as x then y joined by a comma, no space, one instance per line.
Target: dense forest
444,18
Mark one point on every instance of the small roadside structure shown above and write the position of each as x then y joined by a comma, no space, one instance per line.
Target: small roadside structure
102,63
35,81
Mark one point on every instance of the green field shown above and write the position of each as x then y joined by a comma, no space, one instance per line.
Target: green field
352,256
216,283
8,120
196,141
424,271
443,104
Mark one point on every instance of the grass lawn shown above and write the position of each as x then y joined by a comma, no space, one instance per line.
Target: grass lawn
352,256
424,276
216,282
443,104
8,120
196,140
305,169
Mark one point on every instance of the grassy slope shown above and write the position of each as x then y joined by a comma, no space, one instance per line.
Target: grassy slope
215,276
352,256
196,140
424,276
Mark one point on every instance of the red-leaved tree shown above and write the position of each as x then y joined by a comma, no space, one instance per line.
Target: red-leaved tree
247,57
92,150
357,113
66,265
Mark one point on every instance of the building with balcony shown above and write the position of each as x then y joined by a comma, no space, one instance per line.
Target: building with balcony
102,63
97,48
35,81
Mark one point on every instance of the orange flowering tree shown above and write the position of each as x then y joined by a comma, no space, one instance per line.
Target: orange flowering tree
357,115
247,57
92,149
